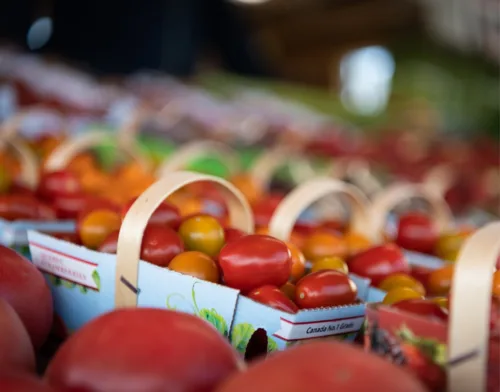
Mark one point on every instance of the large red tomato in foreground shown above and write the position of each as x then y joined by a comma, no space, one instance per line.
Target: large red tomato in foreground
322,367
21,382
23,286
146,350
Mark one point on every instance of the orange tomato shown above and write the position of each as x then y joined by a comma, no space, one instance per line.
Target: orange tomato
298,263
94,180
81,163
399,294
330,263
196,264
441,301
321,244
289,290
439,281
356,242
401,280
298,239
263,230
187,204
96,226
202,233
246,185
496,283
5,180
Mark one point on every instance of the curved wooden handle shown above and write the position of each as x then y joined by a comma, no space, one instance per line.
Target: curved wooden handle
440,179
390,197
64,153
469,323
303,196
191,151
134,224
29,176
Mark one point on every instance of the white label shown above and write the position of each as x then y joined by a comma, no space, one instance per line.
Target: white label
309,330
65,266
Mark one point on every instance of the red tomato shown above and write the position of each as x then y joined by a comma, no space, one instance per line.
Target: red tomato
422,307
417,232
110,244
332,225
160,244
264,208
305,228
19,207
24,382
273,297
420,273
58,183
166,214
231,234
255,260
46,212
324,289
379,262
78,204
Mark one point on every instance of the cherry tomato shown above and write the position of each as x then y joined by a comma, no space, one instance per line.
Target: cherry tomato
297,239
332,225
305,228
58,183
19,207
439,282
356,243
231,234
96,225
420,273
72,206
441,301
246,185
496,284
46,212
187,204
289,290
298,263
264,208
5,180
110,244
417,232
196,264
160,244
254,261
82,163
202,233
321,244
330,263
166,214
273,297
401,294
324,289
379,262
423,307
449,244
401,280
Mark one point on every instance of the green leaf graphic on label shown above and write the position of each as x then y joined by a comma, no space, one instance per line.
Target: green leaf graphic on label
54,280
97,279
241,335
431,348
271,345
215,319
83,289
68,284
169,300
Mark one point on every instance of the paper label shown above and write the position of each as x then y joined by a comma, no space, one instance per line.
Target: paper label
64,266
290,331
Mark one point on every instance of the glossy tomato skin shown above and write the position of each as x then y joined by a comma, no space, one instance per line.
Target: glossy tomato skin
422,307
273,297
165,214
417,232
254,261
58,183
160,244
379,262
324,289
231,234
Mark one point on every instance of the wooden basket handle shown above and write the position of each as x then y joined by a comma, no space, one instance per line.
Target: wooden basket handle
439,179
134,224
306,194
29,176
469,323
190,151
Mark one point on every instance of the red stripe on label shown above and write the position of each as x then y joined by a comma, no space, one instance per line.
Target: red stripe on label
62,254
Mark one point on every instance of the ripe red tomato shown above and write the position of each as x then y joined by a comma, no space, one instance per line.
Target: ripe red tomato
324,289
231,234
24,382
110,244
420,273
264,208
273,297
71,206
254,261
160,244
17,207
166,214
417,232
422,307
46,212
379,262
58,183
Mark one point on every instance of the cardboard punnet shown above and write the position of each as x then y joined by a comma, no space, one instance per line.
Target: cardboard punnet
86,283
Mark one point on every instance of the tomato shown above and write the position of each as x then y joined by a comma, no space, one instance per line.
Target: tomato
420,273
297,239
423,307
196,264
160,244
399,294
496,284
332,225
110,244
330,263
356,243
187,204
165,214
321,244
19,207
71,206
231,234
448,245
246,185
441,301
254,261
417,232
439,282
5,180
401,280
202,233
46,212
324,289
273,297
379,262
58,183
298,263
264,208
95,226
82,163
289,290
305,228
